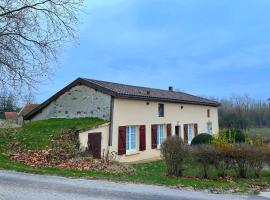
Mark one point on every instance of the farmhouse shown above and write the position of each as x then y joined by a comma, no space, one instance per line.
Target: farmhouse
138,119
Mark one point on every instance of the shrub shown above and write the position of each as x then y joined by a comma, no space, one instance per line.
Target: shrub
239,155
203,154
256,156
221,159
203,138
247,156
230,136
173,152
239,136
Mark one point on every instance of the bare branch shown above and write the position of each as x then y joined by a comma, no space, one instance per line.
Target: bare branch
31,35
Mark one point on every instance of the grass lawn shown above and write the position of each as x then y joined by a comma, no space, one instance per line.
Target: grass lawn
148,173
36,136
264,132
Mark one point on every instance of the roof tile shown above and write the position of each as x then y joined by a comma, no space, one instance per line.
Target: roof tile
151,93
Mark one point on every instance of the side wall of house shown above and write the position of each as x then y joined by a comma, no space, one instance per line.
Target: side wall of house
138,112
104,130
79,101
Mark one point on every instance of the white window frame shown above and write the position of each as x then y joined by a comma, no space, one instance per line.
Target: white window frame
190,132
131,139
160,134
209,126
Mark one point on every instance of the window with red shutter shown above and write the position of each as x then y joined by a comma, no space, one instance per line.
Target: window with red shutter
169,130
154,136
122,140
142,138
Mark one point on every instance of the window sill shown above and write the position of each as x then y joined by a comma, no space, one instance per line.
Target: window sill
132,153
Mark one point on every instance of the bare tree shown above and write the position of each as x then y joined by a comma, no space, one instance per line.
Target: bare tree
241,111
29,98
31,34
8,102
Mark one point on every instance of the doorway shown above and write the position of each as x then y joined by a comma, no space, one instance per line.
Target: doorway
94,144
177,130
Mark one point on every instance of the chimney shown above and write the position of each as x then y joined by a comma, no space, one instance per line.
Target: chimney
170,88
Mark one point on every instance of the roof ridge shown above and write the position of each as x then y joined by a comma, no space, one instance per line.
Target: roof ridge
125,84
179,92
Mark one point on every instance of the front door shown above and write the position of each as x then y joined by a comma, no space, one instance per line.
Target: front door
94,144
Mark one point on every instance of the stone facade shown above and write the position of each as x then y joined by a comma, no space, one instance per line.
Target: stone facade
79,101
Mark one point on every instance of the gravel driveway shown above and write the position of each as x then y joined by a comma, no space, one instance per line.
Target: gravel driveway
22,186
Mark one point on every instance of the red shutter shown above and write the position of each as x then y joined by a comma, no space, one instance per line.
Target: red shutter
195,129
154,136
185,133
169,130
122,140
142,138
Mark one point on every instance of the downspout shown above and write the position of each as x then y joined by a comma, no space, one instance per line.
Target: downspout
111,121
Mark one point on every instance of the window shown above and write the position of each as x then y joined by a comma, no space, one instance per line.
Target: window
161,110
208,113
190,132
160,134
209,128
130,138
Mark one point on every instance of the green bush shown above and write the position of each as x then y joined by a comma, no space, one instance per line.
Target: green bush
230,136
203,138
173,152
236,135
239,136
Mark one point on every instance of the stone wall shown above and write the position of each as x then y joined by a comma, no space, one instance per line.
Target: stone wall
79,101
8,124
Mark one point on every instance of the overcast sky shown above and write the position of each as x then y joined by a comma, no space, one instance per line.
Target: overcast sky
204,47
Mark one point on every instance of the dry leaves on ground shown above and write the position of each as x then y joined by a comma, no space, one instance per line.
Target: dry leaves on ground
41,159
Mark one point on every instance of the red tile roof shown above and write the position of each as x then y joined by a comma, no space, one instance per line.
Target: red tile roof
27,108
130,92
11,115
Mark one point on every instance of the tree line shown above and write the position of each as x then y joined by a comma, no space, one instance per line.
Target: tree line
243,112
9,102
